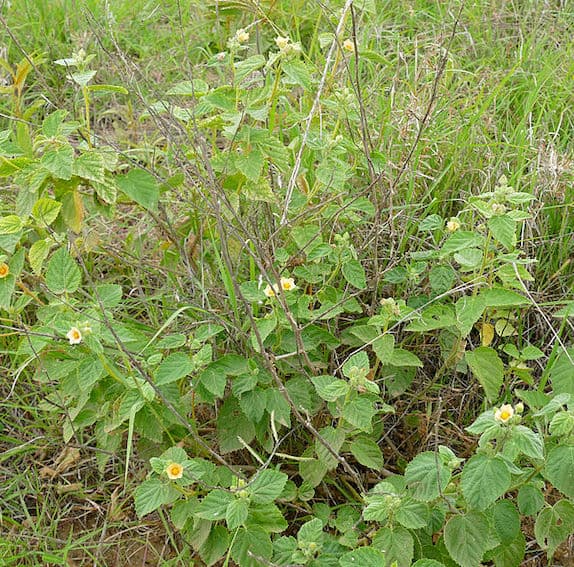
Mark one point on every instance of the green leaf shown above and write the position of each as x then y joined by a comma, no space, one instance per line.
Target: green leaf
89,372
265,326
402,357
554,525
214,505
196,87
530,499
359,412
378,507
488,369
110,295
397,545
174,367
236,513
254,404
367,452
298,73
330,388
267,517
559,469
38,253
46,210
562,373
312,472
469,310
484,479
249,544
354,273
469,258
441,279
383,347
232,423
562,424
427,563
413,514
248,66
267,486
250,163
278,406
106,191
52,124
59,162
427,476
363,556
215,545
11,224
153,493
311,532
466,538
283,549
7,286
437,316
461,240
82,78
500,297
503,229
506,521
335,438
140,186
432,222
63,274
91,166
108,89
215,382
510,554
529,443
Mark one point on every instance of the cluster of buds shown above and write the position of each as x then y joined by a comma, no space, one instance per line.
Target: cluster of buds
390,306
286,46
498,208
240,38
453,224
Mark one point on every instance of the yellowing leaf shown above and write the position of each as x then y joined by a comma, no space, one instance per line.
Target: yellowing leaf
486,334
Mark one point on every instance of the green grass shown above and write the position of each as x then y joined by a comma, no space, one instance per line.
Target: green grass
502,106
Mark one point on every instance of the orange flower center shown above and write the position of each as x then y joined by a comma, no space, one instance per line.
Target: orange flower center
504,415
4,270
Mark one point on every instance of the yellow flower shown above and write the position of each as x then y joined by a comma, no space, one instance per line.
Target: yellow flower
349,46
242,36
288,284
453,224
174,471
4,270
74,336
270,291
281,42
504,413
